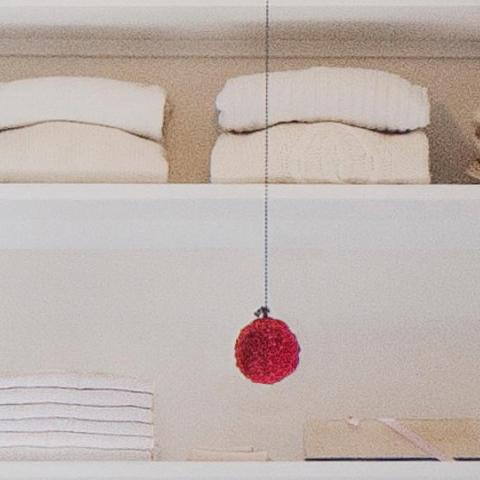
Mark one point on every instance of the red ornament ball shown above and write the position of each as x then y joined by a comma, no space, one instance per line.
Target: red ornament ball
267,351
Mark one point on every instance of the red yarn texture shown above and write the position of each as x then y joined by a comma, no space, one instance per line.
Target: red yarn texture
267,351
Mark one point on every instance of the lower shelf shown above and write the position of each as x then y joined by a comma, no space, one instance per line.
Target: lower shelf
241,471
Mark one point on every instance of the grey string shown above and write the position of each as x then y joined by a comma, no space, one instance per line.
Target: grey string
264,310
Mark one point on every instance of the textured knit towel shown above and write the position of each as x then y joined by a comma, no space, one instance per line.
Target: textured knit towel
322,153
78,153
133,107
365,98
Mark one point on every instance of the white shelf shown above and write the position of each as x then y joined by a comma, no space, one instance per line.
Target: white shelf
231,216
241,471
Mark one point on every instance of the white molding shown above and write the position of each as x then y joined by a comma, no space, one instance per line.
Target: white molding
192,217
240,471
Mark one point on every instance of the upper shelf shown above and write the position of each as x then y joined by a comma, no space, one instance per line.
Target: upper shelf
222,24
432,217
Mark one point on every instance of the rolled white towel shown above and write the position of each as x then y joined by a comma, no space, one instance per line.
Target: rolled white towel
66,454
133,107
76,412
322,153
78,153
366,98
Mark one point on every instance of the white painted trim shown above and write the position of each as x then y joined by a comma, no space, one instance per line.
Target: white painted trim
241,471
192,217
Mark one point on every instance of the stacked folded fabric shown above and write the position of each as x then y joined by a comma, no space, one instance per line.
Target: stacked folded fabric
81,130
239,454
474,169
392,439
326,125
65,416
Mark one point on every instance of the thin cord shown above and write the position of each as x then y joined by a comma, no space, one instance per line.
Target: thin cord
266,281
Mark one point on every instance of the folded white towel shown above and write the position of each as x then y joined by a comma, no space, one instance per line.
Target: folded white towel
66,454
64,395
59,378
322,153
365,98
133,107
79,153
78,440
47,411
56,424
201,455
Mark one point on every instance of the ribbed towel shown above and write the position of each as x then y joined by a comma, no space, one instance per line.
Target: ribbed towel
133,107
361,97
79,153
322,153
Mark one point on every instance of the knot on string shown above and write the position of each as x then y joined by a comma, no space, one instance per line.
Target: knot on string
262,312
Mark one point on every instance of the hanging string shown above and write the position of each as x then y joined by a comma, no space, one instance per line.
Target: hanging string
264,311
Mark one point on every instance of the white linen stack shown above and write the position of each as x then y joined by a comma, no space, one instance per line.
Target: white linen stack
67,416
327,125
81,130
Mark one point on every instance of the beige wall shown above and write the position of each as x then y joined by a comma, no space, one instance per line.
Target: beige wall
193,83
383,333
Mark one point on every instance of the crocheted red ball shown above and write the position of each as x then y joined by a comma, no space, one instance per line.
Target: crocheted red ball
267,351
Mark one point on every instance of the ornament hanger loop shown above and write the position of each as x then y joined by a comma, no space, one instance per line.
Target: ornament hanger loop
262,312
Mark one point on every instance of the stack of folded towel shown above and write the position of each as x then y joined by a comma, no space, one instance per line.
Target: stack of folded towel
65,416
392,439
474,169
239,454
326,125
81,130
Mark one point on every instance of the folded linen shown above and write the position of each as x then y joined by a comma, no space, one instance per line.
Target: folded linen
373,438
66,395
59,378
79,153
202,455
76,412
133,107
84,426
58,439
72,454
361,97
322,153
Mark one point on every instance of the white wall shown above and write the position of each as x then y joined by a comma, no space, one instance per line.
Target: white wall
382,332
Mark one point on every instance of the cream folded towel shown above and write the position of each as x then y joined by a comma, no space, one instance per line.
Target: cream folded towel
322,153
133,107
372,438
78,153
364,98
202,455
